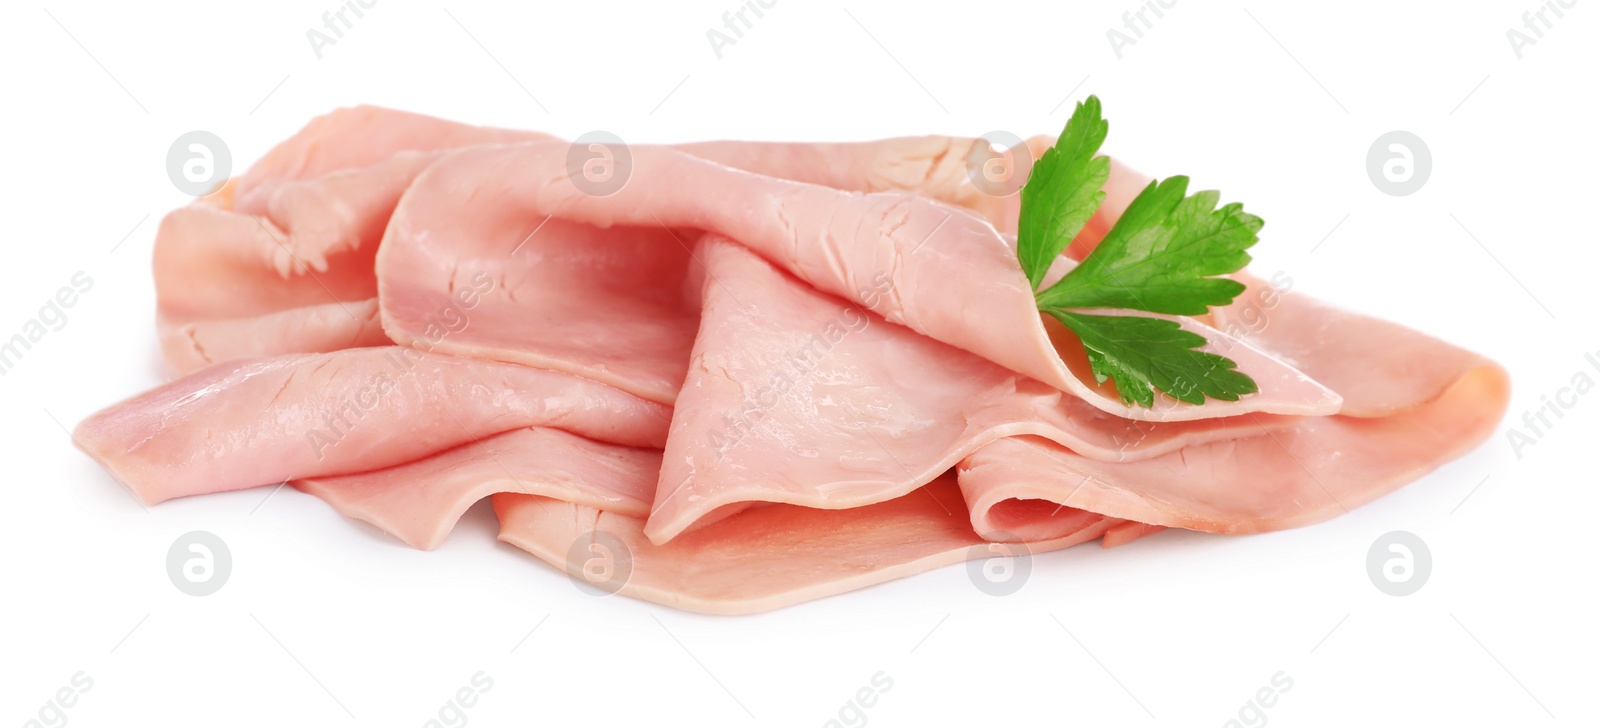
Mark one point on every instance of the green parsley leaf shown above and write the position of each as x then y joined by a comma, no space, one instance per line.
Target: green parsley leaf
1141,353
1160,254
1164,255
1062,192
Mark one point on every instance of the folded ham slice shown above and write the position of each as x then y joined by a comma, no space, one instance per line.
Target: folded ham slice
554,491
280,260
770,557
794,396
288,246
1318,469
265,421
1379,367
224,289
608,304
420,501
930,266
1411,404
769,372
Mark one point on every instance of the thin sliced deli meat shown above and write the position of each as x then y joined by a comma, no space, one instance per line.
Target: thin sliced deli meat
794,396
308,217
761,373
307,329
764,558
554,492
1320,468
265,421
1444,402
222,294
295,234
609,304
420,501
366,136
355,137
1127,532
937,269
936,167
1379,367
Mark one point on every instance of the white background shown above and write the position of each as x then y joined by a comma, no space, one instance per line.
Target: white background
326,621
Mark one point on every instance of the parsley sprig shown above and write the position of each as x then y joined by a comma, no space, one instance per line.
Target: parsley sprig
1162,256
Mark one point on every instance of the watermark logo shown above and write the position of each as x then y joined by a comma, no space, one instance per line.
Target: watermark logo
198,162
853,714
1248,316
736,23
1538,422
1535,23
53,713
799,364
199,563
52,317
998,163
351,408
454,711
599,163
1135,23
1399,563
1001,567
1398,163
1253,713
336,22
599,563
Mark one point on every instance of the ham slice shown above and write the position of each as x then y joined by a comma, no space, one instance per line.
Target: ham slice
553,490
420,501
268,264
288,246
765,372
264,421
1318,469
357,137
1379,367
307,218
765,558
223,291
1438,402
929,266
1127,532
860,409
608,304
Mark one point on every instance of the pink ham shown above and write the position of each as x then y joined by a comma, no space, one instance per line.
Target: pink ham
933,166
1380,367
420,501
1318,469
830,329
263,421
608,304
932,267
312,211
764,558
863,410
280,261
1438,403
288,246
1127,532
553,490
356,137
222,292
